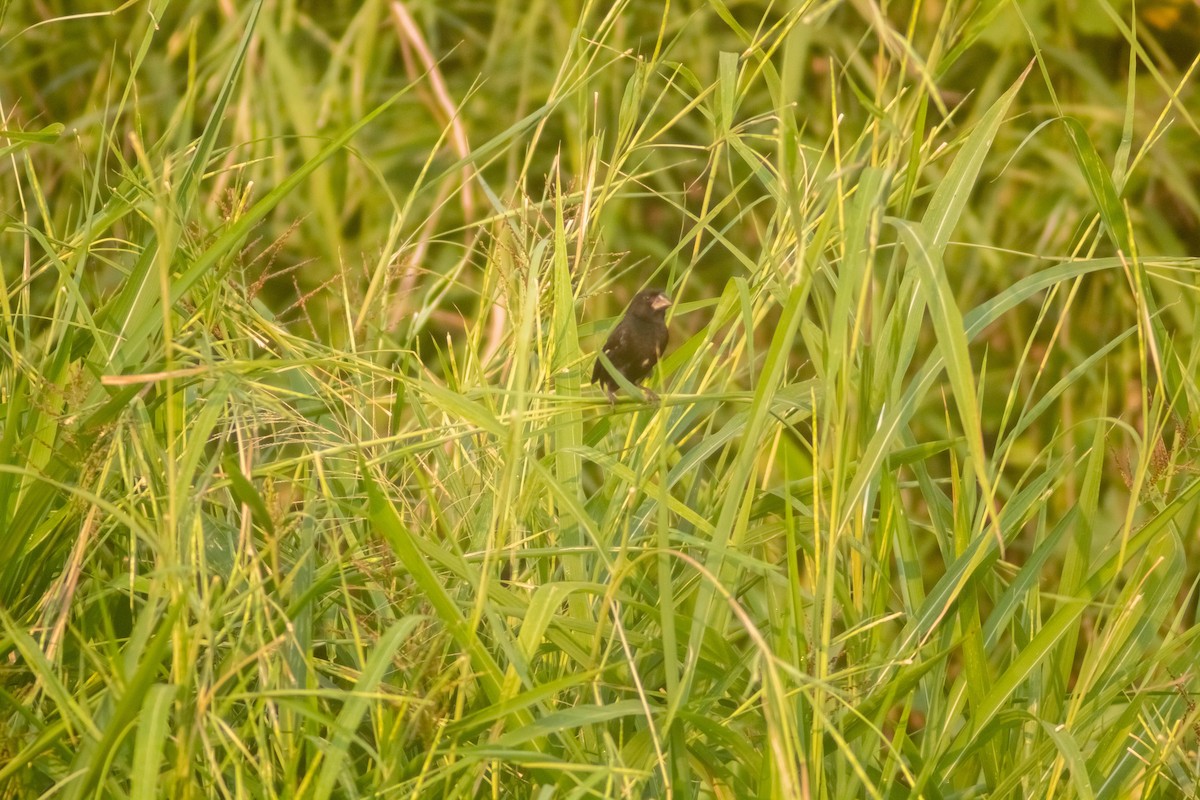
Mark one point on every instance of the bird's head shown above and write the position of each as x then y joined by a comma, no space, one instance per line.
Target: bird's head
650,303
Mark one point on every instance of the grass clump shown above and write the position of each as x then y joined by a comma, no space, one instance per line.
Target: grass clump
304,493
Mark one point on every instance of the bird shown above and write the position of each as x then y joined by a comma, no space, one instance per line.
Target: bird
636,344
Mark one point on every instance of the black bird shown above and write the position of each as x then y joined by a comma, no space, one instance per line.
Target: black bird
636,344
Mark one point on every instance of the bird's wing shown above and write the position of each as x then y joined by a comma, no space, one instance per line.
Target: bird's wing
616,340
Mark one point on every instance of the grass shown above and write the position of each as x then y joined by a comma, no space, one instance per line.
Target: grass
304,493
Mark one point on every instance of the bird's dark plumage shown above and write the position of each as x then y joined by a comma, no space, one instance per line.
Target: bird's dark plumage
638,341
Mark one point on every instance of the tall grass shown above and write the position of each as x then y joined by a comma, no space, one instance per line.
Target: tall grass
304,493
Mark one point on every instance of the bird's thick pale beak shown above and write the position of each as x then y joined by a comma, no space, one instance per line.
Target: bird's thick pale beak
660,302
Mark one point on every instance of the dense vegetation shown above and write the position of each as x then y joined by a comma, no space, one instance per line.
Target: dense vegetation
303,492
